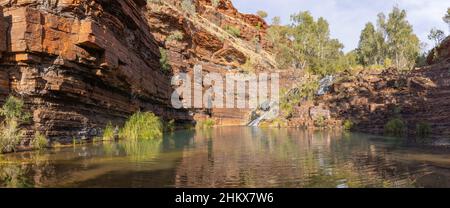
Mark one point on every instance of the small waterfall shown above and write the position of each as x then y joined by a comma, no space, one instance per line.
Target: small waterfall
269,111
325,84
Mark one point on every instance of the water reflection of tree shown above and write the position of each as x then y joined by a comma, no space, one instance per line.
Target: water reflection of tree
108,164
236,157
25,170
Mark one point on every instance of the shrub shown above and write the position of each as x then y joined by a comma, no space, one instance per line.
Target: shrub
39,141
347,125
232,30
320,122
177,35
13,110
188,7
108,133
164,60
248,66
215,3
142,126
206,124
9,136
394,127
13,114
423,129
262,14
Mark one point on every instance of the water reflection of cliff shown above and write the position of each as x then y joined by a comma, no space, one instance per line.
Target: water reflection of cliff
115,164
233,157
245,157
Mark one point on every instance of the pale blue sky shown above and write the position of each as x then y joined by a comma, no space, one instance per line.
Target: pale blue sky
348,17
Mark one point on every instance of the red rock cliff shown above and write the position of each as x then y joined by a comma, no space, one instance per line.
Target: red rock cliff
80,64
204,40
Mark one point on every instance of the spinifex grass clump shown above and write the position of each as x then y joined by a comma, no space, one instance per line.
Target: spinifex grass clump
423,129
395,127
108,133
39,141
142,126
206,124
13,115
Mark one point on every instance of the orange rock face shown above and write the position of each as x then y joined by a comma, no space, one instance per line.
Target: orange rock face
206,42
81,64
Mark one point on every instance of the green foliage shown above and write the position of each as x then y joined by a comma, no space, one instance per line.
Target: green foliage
394,127
248,66
232,30
14,116
276,21
437,36
215,3
177,35
306,44
13,109
371,47
206,124
39,141
275,123
347,125
108,132
142,126
262,14
393,39
320,121
164,60
446,18
423,129
306,90
9,136
188,6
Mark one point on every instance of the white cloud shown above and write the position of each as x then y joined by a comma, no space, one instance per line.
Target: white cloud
348,17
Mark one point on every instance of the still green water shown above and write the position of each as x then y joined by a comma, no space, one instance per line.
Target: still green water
234,157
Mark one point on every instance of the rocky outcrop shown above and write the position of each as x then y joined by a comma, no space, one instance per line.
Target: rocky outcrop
371,98
440,54
200,38
81,64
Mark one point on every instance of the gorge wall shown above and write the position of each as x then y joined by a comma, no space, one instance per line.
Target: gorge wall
202,38
81,64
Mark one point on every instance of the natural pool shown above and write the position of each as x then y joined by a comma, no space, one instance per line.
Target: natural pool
234,157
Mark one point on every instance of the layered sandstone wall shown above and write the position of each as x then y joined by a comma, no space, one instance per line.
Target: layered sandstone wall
81,64
205,42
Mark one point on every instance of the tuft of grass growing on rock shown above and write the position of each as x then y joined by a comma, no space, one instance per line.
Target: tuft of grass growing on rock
206,124
394,127
423,129
108,133
232,30
40,141
320,122
347,125
164,60
14,116
188,6
142,126
177,35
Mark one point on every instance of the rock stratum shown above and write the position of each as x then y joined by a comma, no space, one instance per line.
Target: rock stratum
79,64
371,98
